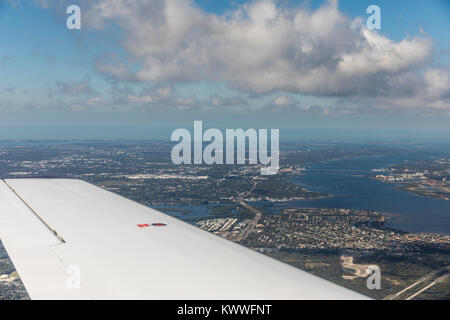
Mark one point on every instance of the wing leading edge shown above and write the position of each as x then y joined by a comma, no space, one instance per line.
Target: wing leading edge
69,239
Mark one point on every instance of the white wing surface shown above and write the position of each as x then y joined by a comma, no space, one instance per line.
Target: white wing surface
69,239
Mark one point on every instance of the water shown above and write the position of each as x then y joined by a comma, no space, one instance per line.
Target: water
352,186
185,212
189,212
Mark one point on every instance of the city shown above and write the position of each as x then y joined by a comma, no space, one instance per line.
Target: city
428,178
236,202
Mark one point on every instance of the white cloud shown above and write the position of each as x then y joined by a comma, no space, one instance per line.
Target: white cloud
429,94
260,47
161,97
87,104
264,47
282,101
437,83
380,54
217,100
74,88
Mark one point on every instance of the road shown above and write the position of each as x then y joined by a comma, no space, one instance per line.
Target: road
436,281
423,279
252,224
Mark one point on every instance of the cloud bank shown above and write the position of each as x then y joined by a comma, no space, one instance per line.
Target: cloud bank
264,47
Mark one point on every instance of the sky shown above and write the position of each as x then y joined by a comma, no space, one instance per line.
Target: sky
138,69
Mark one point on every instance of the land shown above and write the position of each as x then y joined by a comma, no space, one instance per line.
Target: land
323,228
144,172
340,245
336,244
11,288
436,277
429,178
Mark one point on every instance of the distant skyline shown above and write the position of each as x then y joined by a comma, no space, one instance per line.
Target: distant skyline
138,69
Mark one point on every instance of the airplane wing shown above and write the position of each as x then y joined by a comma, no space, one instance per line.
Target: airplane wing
69,239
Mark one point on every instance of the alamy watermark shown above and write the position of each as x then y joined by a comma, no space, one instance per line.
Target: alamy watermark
374,20
233,152
374,279
74,20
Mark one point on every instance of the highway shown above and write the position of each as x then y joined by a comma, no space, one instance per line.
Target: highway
436,281
423,279
251,226
253,223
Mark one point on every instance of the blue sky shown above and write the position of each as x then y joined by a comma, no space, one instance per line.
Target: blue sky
135,70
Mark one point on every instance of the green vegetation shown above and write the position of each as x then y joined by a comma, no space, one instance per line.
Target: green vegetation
14,290
396,272
440,291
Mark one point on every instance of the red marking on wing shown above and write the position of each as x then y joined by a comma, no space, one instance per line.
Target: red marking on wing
143,225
